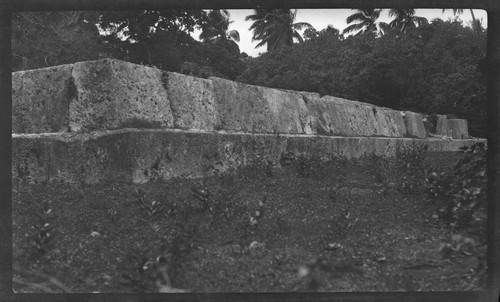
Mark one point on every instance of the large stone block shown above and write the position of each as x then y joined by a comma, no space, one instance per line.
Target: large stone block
340,117
242,107
414,125
255,109
113,94
391,123
288,110
40,99
458,128
192,101
442,125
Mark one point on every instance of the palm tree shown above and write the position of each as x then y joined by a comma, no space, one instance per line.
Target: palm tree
366,21
216,28
276,28
476,24
405,18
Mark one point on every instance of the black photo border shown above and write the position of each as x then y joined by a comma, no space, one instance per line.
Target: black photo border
7,7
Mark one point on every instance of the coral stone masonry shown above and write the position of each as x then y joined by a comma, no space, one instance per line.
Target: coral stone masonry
74,123
111,94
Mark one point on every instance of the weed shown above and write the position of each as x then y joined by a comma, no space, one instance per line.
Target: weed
151,207
42,240
250,226
463,190
203,196
342,222
144,274
461,194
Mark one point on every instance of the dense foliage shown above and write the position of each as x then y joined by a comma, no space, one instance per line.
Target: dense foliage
276,28
159,38
53,38
461,196
462,192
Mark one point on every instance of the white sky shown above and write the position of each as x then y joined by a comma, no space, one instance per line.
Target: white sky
321,18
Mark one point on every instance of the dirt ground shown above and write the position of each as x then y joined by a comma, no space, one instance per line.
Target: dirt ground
332,226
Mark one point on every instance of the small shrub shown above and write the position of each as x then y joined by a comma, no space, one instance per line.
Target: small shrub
462,195
151,207
42,239
463,191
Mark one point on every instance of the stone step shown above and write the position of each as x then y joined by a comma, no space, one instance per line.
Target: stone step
141,155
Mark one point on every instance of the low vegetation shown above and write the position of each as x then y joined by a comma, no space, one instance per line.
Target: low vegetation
304,224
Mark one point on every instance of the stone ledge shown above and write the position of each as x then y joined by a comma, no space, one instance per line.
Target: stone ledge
142,155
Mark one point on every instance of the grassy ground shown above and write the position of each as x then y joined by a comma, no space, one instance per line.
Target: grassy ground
309,226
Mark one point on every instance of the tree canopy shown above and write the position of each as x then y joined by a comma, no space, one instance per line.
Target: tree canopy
276,28
364,20
45,39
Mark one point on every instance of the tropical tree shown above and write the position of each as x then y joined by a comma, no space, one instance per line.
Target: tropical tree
276,28
476,24
42,39
405,19
139,25
216,27
366,21
142,35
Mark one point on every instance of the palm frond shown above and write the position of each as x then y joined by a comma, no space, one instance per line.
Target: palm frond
456,11
297,36
301,26
356,17
383,28
353,28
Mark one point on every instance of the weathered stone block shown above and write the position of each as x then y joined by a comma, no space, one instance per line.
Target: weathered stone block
111,93
414,125
458,128
288,110
40,99
393,122
340,117
442,125
242,107
192,101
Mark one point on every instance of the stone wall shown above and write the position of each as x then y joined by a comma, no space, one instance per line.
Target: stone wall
84,123
112,94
